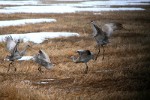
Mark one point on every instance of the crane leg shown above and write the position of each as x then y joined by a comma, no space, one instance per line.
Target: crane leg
40,70
9,66
14,68
103,52
86,69
97,53
12,63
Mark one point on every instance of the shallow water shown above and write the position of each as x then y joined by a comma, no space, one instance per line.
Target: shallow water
29,6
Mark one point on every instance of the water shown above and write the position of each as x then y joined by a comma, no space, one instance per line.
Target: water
34,6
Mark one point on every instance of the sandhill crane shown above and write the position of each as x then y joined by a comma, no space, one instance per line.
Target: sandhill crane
16,54
43,60
84,57
101,35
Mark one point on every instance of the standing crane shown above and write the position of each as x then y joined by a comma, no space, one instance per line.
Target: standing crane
101,35
84,57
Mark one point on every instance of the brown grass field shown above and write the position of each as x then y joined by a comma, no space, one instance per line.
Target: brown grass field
124,74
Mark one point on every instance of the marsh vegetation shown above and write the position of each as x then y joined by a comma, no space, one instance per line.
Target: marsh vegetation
123,74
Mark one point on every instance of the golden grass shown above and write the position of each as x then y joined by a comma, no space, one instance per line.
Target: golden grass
123,74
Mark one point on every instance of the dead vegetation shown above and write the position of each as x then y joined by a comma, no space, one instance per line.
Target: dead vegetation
123,74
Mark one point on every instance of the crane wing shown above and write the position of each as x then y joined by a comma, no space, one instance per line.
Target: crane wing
96,29
44,56
108,28
9,38
15,49
10,44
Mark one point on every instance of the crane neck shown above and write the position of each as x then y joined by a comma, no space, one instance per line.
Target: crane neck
76,60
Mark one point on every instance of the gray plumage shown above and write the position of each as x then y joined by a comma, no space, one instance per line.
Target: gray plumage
16,54
43,60
101,35
84,57
10,44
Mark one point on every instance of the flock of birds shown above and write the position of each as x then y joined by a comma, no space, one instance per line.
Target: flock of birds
41,58
100,34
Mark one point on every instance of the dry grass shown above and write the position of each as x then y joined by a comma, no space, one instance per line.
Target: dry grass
123,74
